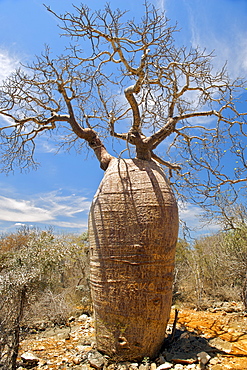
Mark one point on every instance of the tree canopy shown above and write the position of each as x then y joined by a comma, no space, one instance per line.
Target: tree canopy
128,79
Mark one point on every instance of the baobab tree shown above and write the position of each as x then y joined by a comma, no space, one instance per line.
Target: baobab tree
128,80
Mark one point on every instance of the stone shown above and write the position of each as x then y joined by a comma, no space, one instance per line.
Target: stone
214,361
203,358
76,360
144,366
133,366
29,358
96,359
178,367
165,365
221,344
83,318
218,367
84,367
122,366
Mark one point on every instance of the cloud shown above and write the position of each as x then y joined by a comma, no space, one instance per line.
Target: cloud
61,205
161,4
217,26
51,208
70,225
7,64
192,216
45,146
22,211
224,35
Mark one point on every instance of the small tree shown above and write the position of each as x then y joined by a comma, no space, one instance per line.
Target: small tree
130,82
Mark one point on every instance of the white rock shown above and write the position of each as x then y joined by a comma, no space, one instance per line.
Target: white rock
29,357
178,367
83,318
95,359
203,358
165,365
134,366
153,366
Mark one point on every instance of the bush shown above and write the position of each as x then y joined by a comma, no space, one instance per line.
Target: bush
213,268
39,274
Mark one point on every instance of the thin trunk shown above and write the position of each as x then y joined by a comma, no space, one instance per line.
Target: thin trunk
245,293
17,326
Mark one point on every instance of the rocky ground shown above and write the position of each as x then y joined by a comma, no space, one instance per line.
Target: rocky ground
215,339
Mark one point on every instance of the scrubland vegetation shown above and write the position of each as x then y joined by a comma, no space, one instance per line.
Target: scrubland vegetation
45,278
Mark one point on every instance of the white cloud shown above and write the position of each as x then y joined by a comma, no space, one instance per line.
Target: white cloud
19,224
7,64
70,225
161,4
192,216
45,146
50,208
22,211
60,205
226,37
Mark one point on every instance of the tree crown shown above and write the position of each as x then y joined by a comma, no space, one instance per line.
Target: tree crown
129,80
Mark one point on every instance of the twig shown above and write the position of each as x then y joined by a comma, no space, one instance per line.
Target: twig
174,326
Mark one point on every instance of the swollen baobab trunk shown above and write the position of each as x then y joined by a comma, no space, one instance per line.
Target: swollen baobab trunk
133,229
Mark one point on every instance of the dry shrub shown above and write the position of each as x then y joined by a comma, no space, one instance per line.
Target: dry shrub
39,273
212,269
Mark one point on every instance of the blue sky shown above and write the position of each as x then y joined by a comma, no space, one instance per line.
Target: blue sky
59,193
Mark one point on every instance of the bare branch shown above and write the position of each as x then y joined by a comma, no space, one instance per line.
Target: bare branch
132,82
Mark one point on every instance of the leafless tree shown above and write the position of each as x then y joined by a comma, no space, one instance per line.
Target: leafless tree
130,77
127,79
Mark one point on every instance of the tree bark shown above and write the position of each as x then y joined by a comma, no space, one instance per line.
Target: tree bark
133,227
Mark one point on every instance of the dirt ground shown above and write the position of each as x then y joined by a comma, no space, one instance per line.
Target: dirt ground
224,331
220,333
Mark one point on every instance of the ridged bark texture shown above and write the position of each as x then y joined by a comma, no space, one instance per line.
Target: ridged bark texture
133,227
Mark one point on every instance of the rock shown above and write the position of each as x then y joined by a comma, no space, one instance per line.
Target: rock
83,318
30,359
96,359
214,361
82,367
217,367
221,344
203,358
122,366
76,360
178,367
144,366
111,367
133,366
165,365
65,334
